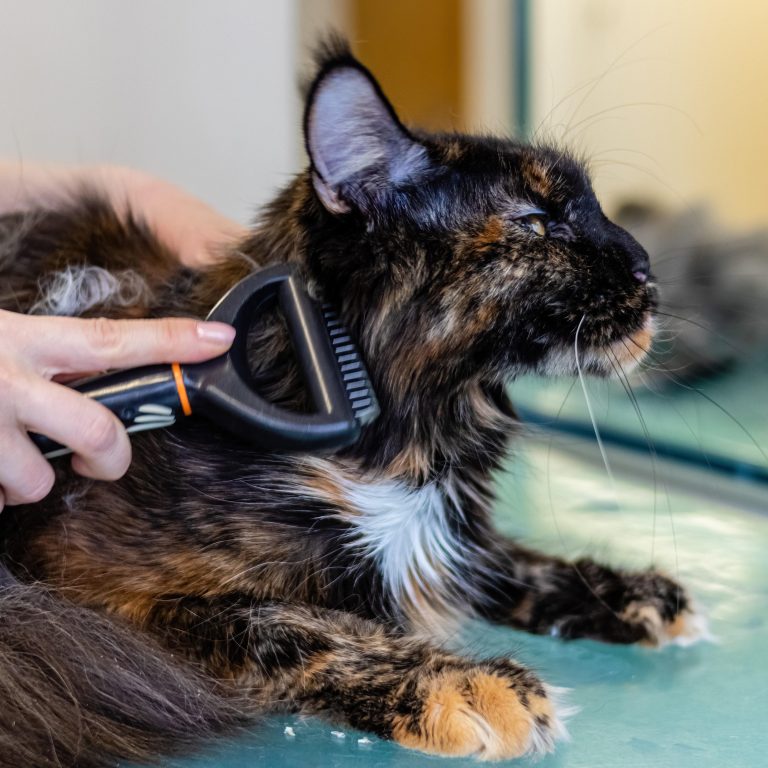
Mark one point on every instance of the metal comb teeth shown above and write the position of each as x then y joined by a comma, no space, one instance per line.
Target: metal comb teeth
362,399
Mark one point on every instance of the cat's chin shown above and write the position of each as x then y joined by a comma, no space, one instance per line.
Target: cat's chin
617,358
630,351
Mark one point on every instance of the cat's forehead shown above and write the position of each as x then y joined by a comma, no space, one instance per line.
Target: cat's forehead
536,173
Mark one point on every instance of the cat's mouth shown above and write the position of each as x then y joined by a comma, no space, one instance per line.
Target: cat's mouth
613,359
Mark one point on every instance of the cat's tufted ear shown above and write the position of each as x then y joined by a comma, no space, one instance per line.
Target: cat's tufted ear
359,150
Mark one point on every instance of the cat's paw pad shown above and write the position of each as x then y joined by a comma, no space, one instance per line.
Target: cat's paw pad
491,712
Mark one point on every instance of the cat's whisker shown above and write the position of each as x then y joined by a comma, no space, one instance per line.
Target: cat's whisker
591,85
646,432
614,66
741,352
633,105
624,381
549,464
552,506
588,401
679,382
626,150
651,386
651,174
660,365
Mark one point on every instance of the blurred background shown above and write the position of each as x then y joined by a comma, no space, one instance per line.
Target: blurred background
669,100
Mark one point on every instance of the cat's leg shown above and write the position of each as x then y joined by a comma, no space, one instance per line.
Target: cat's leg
547,595
309,659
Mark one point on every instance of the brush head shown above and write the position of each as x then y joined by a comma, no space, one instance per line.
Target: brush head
362,398
333,370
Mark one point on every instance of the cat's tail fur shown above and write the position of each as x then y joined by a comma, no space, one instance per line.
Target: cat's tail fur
79,689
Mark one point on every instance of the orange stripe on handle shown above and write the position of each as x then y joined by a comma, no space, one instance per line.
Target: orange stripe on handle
181,389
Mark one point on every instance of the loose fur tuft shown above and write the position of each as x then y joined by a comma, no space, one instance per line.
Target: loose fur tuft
76,290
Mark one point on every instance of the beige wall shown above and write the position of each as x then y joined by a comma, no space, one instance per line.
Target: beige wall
445,64
676,96
676,103
202,93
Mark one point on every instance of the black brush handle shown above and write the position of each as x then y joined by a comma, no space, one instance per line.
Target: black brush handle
313,348
142,398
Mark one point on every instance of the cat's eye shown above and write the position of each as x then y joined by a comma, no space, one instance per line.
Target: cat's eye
534,223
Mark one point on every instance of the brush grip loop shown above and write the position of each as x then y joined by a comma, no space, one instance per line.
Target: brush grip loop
227,392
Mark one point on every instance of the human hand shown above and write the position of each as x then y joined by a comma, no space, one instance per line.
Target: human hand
35,350
185,224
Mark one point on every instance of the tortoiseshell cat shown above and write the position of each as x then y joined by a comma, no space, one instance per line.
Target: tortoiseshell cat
215,581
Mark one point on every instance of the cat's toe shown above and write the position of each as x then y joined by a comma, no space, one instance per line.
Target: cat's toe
685,628
644,607
488,712
662,611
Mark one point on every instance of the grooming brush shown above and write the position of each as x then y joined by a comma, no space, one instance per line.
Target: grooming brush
223,390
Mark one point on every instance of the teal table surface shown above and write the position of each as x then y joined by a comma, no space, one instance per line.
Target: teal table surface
722,420
704,706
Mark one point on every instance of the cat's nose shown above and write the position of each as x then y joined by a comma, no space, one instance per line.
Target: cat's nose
640,265
630,252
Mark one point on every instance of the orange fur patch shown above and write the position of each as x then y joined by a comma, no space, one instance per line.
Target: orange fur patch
323,485
452,150
491,234
479,715
632,350
678,627
538,177
412,463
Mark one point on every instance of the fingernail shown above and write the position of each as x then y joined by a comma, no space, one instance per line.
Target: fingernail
215,333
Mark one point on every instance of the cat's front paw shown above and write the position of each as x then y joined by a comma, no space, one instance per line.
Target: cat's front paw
491,710
662,612
647,608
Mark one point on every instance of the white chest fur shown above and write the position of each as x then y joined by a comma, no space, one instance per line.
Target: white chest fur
412,536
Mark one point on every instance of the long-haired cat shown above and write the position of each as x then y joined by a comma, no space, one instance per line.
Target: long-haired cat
216,581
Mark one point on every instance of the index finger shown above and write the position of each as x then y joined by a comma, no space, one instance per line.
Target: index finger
74,345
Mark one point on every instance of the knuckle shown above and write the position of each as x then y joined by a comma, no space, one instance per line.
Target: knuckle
105,335
170,333
6,384
100,433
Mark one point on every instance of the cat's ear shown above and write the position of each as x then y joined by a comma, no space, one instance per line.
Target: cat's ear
359,150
